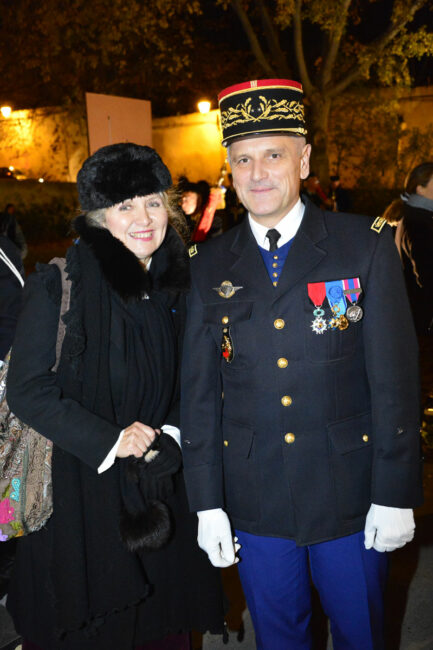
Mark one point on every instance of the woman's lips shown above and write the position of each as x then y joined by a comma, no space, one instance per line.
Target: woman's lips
147,234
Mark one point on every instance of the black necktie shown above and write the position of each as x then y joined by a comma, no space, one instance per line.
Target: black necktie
273,236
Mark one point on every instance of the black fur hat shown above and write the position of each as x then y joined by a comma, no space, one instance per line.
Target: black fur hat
118,172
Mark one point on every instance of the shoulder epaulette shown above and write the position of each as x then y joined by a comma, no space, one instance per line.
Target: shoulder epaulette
192,250
378,224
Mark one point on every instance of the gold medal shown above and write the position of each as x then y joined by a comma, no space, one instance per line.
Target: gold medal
343,323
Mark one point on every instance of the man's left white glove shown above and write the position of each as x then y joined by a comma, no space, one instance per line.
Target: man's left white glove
215,537
388,528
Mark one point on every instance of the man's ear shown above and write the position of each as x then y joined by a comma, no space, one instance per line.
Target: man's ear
305,161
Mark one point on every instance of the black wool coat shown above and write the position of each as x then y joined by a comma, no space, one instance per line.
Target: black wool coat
75,585
301,432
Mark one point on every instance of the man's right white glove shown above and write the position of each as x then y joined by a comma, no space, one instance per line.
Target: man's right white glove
215,537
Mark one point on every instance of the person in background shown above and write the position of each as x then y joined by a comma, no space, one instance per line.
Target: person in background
300,402
340,198
117,566
313,191
414,240
193,200
10,227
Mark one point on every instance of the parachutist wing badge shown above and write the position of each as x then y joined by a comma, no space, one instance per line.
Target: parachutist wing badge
226,289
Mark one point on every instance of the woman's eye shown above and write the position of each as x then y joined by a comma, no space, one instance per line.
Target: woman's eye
124,207
154,204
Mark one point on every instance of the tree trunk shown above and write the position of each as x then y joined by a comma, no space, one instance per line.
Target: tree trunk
317,122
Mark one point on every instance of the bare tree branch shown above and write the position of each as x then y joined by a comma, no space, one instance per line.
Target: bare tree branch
334,44
254,42
299,49
271,35
377,46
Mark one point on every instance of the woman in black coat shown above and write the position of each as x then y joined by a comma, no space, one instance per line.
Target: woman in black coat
117,565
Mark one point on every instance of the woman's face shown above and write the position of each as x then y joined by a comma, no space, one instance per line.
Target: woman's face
140,224
189,202
427,191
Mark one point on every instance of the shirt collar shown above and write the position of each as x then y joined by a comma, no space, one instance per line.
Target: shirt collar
287,227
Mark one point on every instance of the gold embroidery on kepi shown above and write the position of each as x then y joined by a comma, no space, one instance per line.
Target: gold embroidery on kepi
192,250
261,107
226,289
378,224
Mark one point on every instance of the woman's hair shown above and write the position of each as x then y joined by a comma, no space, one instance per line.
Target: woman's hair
420,175
170,199
394,212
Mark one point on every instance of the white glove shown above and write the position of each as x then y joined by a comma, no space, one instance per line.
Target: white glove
215,537
388,528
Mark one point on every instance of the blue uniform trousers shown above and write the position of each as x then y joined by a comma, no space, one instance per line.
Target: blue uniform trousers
275,576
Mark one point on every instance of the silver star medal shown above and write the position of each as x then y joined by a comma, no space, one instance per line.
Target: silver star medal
319,325
226,289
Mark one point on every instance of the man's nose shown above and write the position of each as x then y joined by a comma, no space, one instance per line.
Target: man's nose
258,170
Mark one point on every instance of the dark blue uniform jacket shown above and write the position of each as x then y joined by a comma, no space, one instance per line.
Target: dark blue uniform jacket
347,398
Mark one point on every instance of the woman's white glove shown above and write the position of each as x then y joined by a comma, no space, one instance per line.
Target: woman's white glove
215,537
388,528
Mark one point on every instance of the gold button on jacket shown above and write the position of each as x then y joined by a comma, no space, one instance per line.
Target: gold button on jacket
286,400
225,319
282,363
289,438
365,437
279,323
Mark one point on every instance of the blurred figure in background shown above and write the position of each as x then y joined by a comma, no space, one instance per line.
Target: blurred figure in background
414,239
11,228
314,191
339,196
199,202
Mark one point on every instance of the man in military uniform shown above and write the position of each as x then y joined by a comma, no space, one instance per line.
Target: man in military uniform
300,390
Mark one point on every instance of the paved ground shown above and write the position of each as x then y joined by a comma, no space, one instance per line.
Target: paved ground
409,597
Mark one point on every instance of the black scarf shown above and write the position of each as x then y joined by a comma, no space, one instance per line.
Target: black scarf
96,575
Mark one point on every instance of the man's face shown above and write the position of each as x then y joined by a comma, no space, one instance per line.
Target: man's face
266,174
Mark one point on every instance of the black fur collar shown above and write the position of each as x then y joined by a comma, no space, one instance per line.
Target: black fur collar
169,270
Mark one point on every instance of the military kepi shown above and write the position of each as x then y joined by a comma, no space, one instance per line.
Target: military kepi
261,107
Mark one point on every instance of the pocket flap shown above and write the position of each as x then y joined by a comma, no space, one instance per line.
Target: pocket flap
238,439
235,311
351,433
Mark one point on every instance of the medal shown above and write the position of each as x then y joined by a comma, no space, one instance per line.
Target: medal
343,323
316,293
354,313
227,345
336,297
352,291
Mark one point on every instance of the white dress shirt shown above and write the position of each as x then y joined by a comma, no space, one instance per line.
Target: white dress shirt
287,227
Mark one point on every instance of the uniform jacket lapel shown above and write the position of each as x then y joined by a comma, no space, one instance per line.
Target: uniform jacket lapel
303,256
305,253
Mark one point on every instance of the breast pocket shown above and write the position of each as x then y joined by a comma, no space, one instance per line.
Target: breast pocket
323,344
232,327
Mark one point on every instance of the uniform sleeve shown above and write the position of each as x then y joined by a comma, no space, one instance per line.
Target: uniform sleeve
391,356
32,392
201,403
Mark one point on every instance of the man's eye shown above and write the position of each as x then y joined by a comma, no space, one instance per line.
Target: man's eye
275,155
